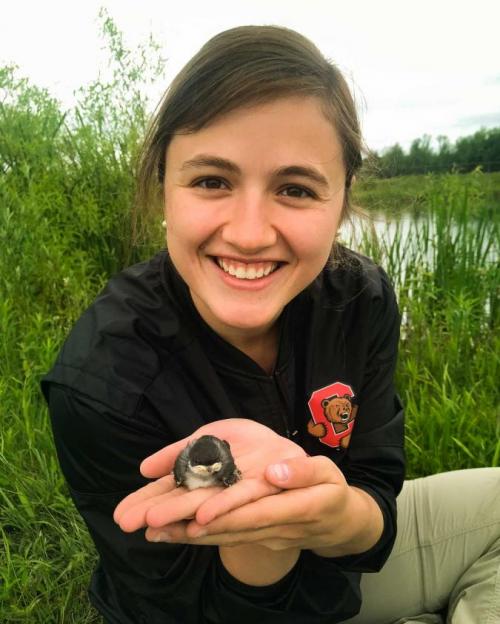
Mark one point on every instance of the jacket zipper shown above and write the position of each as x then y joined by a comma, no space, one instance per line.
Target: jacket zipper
282,394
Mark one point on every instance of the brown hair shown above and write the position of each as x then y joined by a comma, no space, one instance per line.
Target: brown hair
240,67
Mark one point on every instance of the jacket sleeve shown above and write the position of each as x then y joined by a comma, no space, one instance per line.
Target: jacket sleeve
99,451
375,459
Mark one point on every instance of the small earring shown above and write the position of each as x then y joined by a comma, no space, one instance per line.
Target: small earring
164,224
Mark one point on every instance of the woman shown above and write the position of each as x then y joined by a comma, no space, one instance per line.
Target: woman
256,328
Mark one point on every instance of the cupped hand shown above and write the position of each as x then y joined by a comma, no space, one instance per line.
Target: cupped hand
160,503
312,508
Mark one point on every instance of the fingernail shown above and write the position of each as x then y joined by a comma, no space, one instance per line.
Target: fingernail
200,533
162,536
280,471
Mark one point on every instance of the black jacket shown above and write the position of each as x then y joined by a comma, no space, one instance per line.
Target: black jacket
141,370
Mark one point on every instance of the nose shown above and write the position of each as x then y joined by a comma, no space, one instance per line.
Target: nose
249,226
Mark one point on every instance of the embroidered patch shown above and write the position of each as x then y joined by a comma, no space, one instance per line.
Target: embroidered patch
333,414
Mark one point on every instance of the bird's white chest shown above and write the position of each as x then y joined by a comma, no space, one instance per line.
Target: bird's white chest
193,481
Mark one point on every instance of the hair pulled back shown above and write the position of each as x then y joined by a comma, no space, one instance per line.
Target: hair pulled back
241,67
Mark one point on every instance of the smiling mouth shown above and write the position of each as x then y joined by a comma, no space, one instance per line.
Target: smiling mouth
246,271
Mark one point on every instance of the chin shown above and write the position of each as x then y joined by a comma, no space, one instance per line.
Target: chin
251,324
246,320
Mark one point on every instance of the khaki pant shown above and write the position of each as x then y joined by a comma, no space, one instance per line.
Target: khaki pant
445,566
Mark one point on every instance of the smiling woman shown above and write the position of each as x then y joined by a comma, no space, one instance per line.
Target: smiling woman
252,225
244,329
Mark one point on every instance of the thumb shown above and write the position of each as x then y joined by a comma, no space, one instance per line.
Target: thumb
300,472
162,462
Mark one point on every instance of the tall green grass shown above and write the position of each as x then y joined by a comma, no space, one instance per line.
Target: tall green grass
65,196
66,189
444,261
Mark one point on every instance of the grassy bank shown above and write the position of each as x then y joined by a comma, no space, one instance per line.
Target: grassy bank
414,193
65,196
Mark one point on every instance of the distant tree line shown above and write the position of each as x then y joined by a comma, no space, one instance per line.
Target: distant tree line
481,149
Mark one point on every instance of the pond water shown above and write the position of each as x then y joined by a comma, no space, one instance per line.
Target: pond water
463,255
407,238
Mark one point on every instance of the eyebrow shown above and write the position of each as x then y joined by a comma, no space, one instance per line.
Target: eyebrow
303,172
207,160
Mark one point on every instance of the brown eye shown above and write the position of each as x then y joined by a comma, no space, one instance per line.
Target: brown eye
297,192
211,183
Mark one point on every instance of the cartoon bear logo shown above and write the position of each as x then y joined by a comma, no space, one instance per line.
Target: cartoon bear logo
333,415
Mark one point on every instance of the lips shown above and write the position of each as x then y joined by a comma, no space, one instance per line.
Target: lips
246,270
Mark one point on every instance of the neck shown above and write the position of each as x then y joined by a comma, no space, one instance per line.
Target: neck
260,346
259,343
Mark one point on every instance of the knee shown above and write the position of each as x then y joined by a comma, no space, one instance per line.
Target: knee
469,496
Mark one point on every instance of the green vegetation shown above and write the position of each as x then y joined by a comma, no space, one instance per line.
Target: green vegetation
442,253
65,196
413,194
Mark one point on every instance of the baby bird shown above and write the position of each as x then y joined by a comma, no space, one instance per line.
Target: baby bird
205,462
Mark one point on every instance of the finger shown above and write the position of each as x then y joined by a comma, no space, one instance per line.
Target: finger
180,507
157,488
242,493
230,539
301,472
176,533
162,462
136,517
286,508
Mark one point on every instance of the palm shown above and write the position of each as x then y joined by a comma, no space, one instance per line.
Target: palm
253,446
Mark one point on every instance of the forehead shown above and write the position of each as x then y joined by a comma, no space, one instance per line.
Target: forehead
277,132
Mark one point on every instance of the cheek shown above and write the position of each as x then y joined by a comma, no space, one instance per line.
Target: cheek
314,237
187,225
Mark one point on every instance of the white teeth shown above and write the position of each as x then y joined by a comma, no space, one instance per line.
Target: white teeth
247,271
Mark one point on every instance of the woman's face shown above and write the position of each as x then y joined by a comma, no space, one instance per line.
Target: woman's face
253,203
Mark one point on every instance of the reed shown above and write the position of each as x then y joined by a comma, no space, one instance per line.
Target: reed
444,262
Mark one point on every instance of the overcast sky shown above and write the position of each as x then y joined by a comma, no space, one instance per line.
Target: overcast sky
418,67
